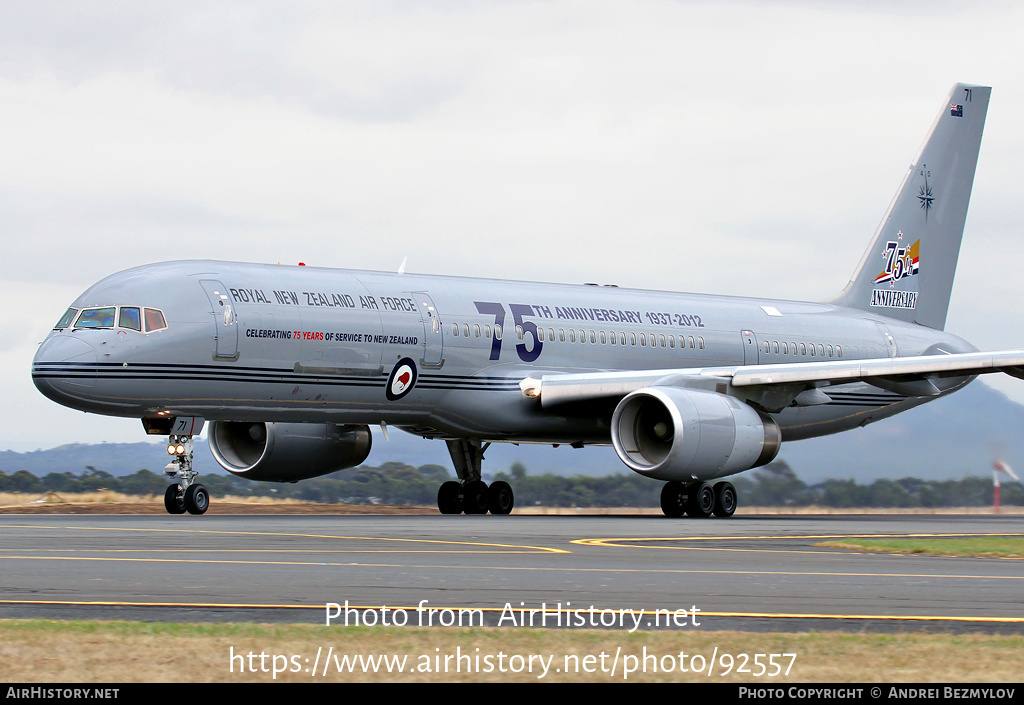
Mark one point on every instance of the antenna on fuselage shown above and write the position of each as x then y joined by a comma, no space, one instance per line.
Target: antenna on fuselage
401,267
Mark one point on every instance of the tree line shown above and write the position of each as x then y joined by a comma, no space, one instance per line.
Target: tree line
397,483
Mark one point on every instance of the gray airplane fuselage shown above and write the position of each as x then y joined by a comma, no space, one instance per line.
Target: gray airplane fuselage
292,365
250,342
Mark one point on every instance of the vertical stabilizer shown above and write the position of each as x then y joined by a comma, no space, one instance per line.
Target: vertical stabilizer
907,272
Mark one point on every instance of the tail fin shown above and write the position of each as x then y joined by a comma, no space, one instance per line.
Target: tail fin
907,272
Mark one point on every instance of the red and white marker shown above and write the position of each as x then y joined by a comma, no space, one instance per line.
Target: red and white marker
998,467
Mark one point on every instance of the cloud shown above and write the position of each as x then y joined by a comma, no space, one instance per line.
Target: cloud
712,147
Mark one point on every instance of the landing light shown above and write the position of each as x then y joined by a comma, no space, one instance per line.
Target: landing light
530,387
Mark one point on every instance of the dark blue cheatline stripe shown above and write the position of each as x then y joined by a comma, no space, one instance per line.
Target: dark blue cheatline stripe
220,373
437,381
164,365
42,367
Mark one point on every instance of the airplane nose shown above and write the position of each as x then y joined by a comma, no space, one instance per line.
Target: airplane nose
64,348
64,368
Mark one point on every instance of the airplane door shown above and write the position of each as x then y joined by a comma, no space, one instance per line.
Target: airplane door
226,337
890,342
749,347
433,335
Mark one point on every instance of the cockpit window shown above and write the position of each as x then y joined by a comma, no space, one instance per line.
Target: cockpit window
129,318
96,318
66,319
154,320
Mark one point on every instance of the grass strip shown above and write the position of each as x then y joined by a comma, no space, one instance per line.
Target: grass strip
134,652
978,547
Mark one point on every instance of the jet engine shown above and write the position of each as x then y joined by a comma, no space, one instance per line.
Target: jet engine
287,452
672,433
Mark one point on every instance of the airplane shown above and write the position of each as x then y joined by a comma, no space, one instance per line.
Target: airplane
290,365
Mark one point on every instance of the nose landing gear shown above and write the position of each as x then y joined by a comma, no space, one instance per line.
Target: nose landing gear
186,495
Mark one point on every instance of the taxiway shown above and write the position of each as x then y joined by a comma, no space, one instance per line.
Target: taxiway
749,572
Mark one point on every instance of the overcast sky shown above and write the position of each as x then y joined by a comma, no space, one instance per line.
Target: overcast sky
723,147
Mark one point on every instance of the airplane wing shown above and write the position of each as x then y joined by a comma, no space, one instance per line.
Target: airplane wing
911,376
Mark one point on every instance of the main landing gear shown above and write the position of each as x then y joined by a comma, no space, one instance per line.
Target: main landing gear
186,495
698,499
471,494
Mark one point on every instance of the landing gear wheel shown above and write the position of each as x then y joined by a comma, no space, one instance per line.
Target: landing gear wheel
725,500
673,499
474,499
500,498
701,500
172,504
197,499
449,498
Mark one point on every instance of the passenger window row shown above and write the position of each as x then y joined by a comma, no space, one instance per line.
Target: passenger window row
776,347
581,335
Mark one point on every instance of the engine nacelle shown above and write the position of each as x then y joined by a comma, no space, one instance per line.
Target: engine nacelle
287,452
672,433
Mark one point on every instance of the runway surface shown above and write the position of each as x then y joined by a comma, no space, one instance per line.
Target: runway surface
749,572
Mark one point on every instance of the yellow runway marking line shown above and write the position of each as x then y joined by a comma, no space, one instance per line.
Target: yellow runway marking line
499,610
627,542
196,560
212,532
603,571
233,551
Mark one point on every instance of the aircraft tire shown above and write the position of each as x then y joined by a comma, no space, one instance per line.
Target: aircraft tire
197,499
500,498
725,500
449,498
700,501
172,504
474,499
673,499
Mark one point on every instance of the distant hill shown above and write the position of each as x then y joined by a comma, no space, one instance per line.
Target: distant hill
955,436
115,458
952,437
